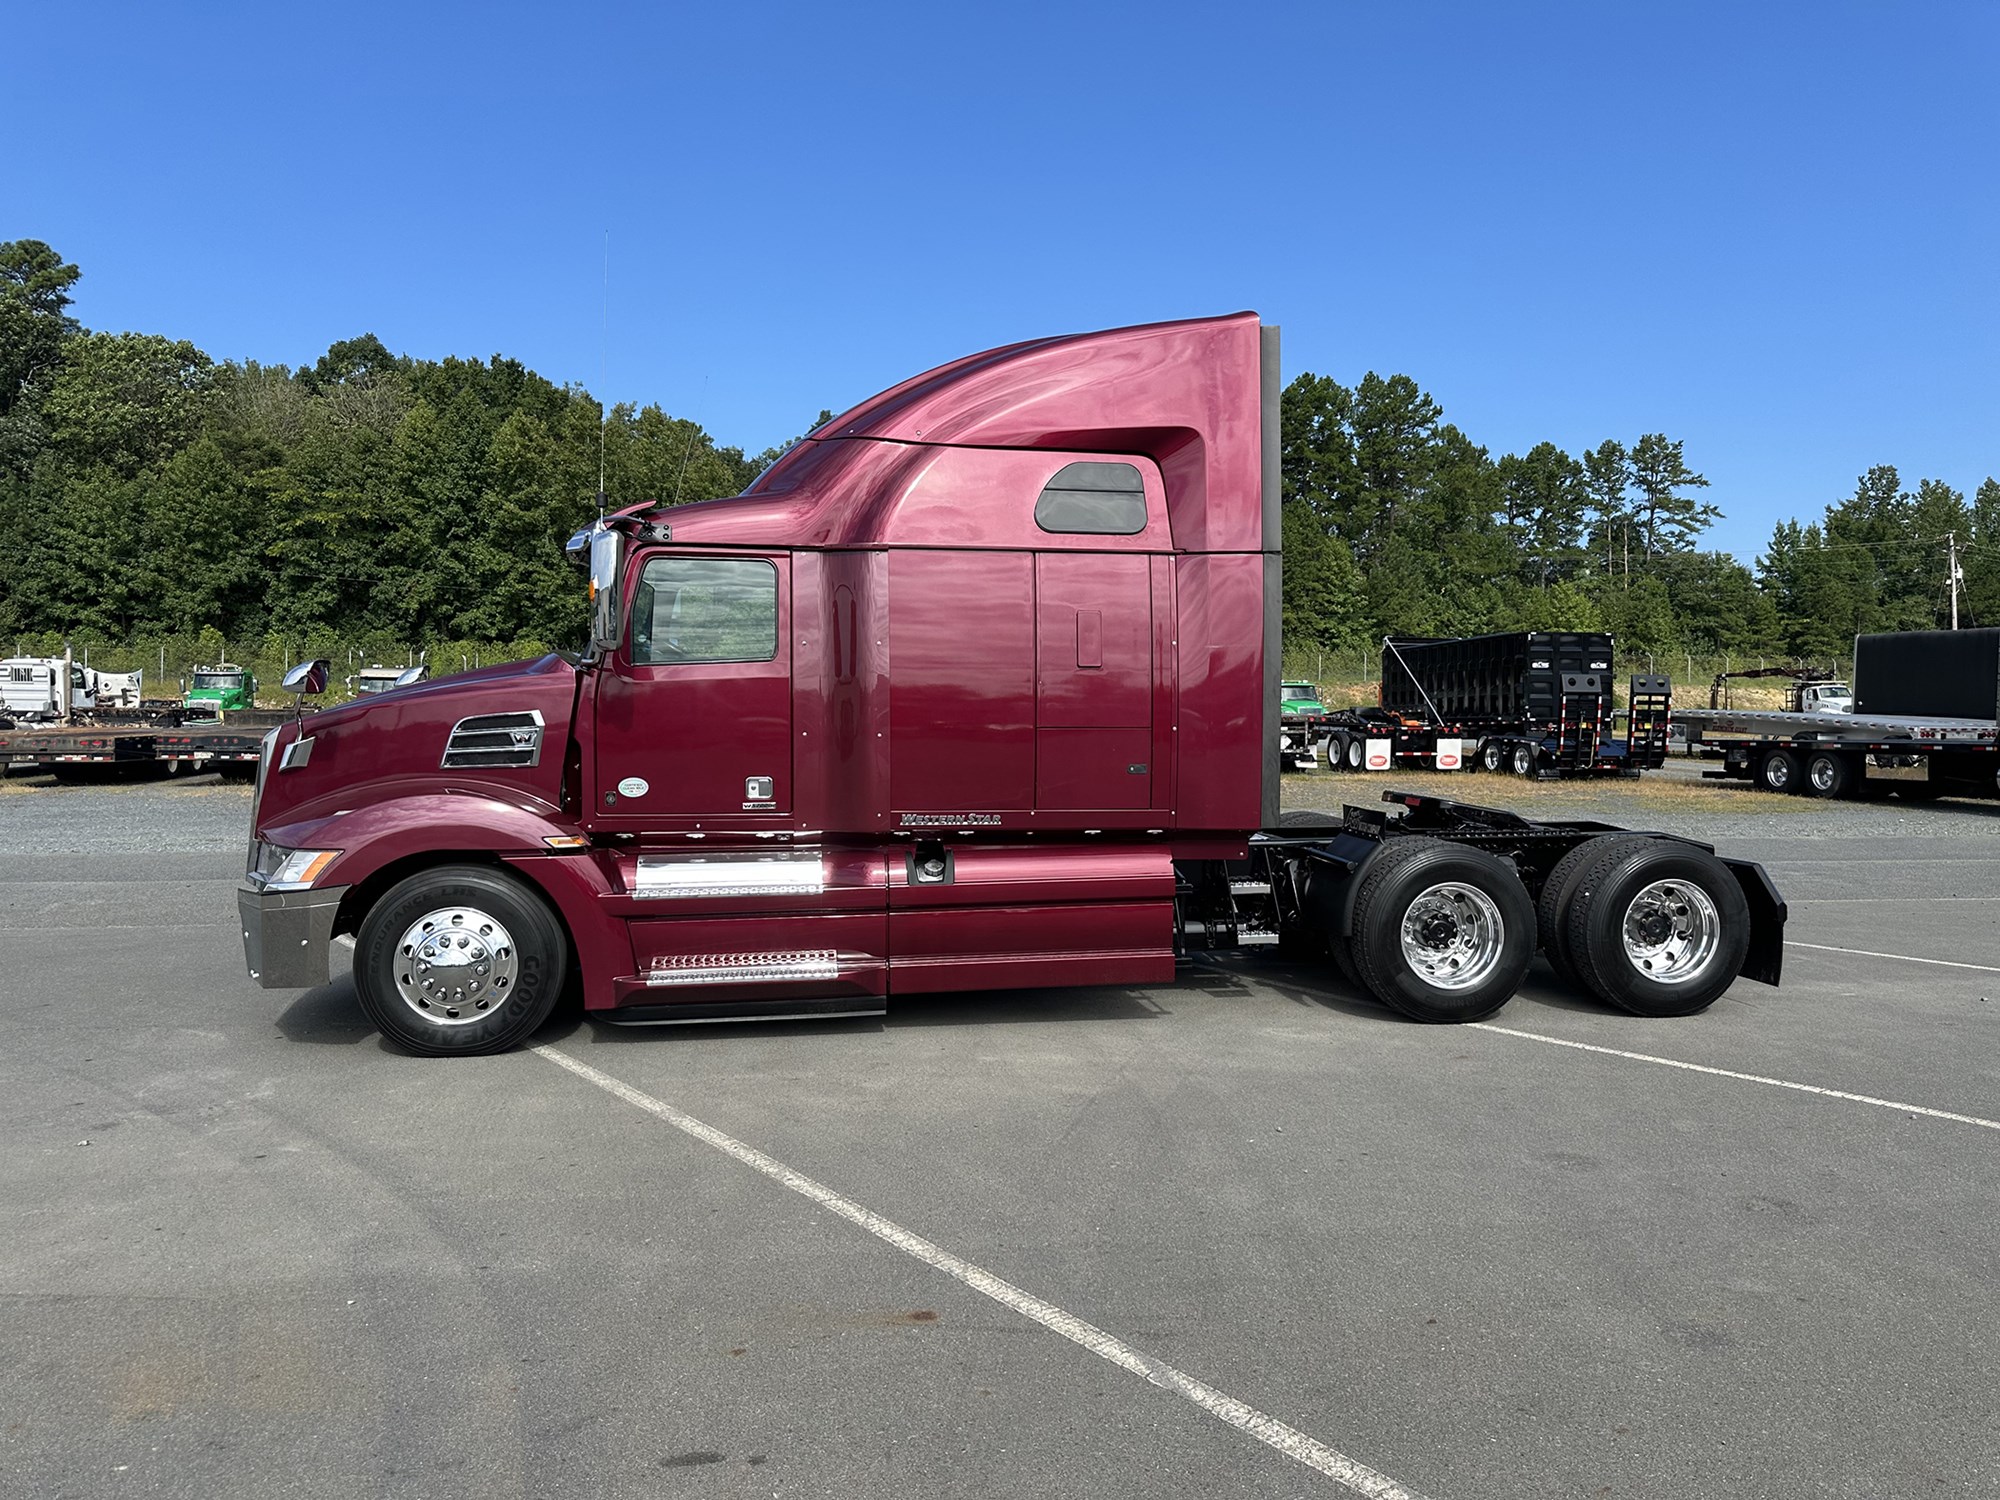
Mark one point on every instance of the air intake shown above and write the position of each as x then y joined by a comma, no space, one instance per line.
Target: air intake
513,739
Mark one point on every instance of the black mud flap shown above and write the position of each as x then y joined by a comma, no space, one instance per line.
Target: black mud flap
1766,959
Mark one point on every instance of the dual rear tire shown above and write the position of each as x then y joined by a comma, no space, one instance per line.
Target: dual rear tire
1445,932
1441,931
1652,926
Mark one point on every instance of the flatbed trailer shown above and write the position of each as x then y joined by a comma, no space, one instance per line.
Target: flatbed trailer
1840,755
231,747
1926,723
58,746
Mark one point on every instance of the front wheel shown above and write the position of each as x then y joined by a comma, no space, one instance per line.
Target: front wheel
1442,932
459,960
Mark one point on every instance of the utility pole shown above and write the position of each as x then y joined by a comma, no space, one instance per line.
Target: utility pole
1951,553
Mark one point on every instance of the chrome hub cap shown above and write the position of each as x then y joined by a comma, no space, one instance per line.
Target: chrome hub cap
455,965
1452,936
1671,931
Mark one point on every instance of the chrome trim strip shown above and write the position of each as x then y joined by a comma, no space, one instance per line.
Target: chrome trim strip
744,968
674,877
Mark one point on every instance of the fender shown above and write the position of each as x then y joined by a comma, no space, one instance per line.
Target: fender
437,824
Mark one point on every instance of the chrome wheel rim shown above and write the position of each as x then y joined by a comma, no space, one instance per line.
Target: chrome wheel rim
1821,774
1777,773
456,965
1452,935
1671,931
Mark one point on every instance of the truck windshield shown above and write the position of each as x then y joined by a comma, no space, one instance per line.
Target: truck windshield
218,679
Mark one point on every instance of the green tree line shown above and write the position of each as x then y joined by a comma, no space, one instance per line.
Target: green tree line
1397,523
150,492
146,489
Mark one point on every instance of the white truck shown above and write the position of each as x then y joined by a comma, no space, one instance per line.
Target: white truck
28,692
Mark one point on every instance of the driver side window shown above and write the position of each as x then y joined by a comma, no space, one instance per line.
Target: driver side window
705,609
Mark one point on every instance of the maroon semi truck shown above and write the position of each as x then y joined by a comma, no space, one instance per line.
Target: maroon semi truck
973,688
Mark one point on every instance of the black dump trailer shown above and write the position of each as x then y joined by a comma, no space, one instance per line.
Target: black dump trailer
1535,702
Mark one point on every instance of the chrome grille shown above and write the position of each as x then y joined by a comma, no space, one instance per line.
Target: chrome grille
510,739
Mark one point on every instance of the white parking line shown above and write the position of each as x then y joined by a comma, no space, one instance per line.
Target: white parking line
1287,1440
1776,1083
1942,963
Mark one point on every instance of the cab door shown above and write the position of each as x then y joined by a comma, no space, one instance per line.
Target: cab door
694,711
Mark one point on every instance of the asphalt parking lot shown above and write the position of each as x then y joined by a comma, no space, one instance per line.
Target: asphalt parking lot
247,1250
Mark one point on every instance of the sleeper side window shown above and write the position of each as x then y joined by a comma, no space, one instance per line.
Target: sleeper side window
691,609
1093,499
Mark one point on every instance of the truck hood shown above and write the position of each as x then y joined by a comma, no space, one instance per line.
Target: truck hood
498,732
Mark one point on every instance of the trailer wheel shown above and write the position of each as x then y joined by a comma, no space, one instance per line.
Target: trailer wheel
1335,746
1553,903
1524,760
1778,771
1442,932
1830,774
1658,930
459,960
1492,755
1354,755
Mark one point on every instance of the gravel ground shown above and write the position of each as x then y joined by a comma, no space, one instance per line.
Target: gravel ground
197,814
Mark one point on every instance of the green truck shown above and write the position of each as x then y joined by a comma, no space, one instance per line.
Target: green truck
221,689
1302,725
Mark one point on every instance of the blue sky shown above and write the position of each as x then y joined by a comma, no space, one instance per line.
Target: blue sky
1767,230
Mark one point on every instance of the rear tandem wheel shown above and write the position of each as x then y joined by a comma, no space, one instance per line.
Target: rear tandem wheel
1442,931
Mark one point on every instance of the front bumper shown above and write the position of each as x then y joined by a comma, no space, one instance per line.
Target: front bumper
286,933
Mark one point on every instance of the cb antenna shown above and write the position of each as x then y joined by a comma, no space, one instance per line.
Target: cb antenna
693,428
603,373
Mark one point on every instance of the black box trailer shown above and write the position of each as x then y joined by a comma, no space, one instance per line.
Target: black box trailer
1934,674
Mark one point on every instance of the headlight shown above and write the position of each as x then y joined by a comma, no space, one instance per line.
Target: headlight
291,869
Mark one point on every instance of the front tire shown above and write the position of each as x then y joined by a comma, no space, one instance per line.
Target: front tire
1658,929
459,960
1442,932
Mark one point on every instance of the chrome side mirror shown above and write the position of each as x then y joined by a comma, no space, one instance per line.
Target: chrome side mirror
308,677
411,675
607,566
